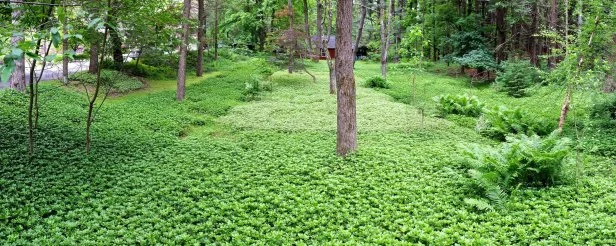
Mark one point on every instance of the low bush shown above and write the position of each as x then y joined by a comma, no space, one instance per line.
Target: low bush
254,87
604,108
501,121
459,104
516,77
117,82
480,59
377,82
523,161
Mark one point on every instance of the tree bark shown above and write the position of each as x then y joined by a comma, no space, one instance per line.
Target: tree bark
65,48
319,40
532,40
200,37
330,61
385,31
501,33
18,78
216,16
307,28
360,29
181,87
346,141
291,49
554,27
93,67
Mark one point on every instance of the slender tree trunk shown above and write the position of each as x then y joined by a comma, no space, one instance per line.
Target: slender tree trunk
181,87
382,7
385,33
291,50
532,40
360,30
330,60
346,141
319,40
261,31
554,27
216,16
307,28
200,37
65,48
565,108
18,78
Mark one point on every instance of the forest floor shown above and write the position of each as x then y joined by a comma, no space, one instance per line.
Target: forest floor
217,169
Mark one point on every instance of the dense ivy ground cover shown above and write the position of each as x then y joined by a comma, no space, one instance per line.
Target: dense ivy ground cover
214,169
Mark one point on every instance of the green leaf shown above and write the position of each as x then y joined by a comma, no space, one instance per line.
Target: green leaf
7,70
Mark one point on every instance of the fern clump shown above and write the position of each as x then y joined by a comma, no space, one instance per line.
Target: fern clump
459,104
377,82
523,161
501,121
516,77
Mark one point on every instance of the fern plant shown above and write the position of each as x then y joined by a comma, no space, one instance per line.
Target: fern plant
522,161
459,104
501,121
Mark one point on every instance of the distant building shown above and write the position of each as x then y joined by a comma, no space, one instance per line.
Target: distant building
331,48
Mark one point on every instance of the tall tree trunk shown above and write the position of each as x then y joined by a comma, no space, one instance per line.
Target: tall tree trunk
532,40
554,27
360,29
330,61
94,43
65,47
200,37
181,87
307,28
291,49
216,16
501,33
346,141
319,39
385,31
261,31
18,78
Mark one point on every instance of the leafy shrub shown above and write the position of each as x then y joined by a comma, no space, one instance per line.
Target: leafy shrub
377,82
459,104
502,121
254,87
116,81
521,161
480,59
516,77
604,108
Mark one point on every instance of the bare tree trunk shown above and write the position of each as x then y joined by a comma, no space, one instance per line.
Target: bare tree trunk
200,37
18,78
307,28
330,61
216,16
501,33
554,27
319,30
93,67
385,31
291,50
347,121
360,30
33,97
181,88
532,40
568,96
65,48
